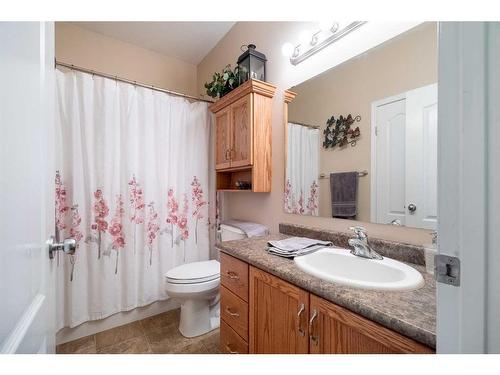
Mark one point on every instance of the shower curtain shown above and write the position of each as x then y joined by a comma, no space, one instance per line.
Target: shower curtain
301,186
131,187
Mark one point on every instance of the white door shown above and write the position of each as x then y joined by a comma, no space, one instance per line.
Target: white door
421,157
388,189
404,159
26,187
468,316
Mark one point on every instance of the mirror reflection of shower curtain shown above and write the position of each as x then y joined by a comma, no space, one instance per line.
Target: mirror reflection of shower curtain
301,186
132,189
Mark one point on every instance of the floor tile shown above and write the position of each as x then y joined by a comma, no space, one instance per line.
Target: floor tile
136,345
193,346
118,334
162,320
166,339
84,345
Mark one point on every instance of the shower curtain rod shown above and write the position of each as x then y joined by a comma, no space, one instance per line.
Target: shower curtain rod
306,125
125,80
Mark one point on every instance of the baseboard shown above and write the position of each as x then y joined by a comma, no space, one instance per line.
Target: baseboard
93,327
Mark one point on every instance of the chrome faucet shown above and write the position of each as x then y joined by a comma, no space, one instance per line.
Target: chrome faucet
360,245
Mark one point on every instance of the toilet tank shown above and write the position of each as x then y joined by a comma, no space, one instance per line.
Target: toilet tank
229,233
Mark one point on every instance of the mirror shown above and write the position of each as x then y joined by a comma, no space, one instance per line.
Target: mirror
361,138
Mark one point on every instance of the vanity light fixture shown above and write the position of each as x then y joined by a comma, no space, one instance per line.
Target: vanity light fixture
310,43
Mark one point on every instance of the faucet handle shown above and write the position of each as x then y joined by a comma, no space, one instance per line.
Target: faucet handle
360,232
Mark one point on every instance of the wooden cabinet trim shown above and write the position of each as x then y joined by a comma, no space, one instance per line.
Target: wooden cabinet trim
250,86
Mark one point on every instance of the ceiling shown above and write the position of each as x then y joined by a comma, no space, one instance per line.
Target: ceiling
186,41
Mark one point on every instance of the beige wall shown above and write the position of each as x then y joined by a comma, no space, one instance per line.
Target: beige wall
269,37
78,46
406,62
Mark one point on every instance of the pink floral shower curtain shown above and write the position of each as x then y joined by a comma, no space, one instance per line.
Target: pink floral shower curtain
131,187
301,194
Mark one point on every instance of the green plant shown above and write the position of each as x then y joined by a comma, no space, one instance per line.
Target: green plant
223,83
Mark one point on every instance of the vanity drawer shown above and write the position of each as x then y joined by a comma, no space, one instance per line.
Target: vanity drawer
234,311
234,275
230,341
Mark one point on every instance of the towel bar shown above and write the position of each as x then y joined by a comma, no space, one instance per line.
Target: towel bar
360,174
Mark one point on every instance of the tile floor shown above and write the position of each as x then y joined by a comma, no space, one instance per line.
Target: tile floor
158,334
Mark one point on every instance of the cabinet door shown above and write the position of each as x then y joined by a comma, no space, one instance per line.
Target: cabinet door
241,121
278,315
336,330
223,139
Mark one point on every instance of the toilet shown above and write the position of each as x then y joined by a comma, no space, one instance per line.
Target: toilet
196,287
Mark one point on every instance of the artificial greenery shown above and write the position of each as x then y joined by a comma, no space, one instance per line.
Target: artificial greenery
223,83
339,132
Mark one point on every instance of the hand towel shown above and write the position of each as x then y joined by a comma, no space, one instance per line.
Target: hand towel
344,193
250,229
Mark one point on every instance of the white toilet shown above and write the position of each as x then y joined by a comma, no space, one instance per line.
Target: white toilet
196,286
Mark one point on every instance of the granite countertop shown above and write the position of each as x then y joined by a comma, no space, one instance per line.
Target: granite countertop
410,313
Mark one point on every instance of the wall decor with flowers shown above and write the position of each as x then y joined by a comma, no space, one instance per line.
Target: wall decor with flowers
339,131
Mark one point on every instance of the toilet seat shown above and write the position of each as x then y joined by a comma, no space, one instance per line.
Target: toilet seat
194,273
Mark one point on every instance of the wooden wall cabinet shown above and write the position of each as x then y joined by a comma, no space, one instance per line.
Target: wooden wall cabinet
243,126
263,314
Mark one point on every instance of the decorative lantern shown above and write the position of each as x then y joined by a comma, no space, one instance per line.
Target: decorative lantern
252,65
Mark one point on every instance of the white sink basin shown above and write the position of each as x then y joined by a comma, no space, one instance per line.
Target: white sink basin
341,267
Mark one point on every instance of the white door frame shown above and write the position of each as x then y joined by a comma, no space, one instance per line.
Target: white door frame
468,185
373,156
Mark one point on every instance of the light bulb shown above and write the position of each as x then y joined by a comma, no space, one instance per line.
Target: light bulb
305,37
287,49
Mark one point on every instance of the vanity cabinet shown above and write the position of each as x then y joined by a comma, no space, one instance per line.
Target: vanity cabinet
243,126
263,314
278,315
336,330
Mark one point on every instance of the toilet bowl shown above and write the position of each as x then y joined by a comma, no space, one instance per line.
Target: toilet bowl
196,287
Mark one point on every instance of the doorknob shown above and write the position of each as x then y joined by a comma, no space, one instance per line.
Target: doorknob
68,246
412,207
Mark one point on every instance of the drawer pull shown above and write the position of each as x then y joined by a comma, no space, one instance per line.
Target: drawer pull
299,313
232,313
230,350
314,339
232,275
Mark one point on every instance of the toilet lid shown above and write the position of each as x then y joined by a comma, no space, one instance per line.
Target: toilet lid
196,272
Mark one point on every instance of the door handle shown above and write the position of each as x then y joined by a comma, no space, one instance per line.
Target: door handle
299,315
68,246
314,339
412,207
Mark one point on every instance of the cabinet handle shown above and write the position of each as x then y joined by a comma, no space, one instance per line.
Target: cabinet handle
228,348
314,339
228,310
299,313
232,275
232,153
228,154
